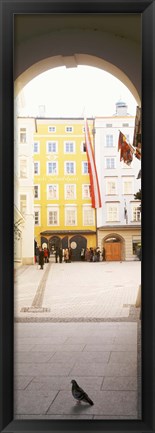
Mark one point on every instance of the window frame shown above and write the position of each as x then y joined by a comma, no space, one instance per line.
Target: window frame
83,163
38,185
51,142
70,208
89,209
53,208
65,170
65,191
47,168
38,143
69,142
110,158
57,191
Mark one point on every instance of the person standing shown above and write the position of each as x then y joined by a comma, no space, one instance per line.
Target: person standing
70,254
66,255
41,258
83,254
60,255
56,255
46,255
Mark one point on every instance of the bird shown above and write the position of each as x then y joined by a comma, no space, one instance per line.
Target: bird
79,394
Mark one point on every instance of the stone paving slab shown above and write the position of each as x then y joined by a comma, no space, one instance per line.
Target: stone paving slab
105,402
43,373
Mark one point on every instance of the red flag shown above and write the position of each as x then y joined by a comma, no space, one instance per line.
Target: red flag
126,151
94,184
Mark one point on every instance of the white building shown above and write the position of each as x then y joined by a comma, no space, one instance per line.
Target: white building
23,191
119,219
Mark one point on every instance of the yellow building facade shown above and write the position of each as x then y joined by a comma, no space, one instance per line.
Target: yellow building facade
63,213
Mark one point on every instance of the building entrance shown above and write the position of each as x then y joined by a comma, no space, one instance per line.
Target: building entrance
113,251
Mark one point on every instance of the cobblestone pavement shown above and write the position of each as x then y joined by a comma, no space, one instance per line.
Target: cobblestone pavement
85,291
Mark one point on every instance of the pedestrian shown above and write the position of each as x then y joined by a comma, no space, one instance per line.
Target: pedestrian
66,255
103,254
87,255
60,255
46,255
82,254
98,252
70,254
91,254
41,258
56,255
37,254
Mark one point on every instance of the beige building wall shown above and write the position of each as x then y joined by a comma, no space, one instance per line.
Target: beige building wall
127,236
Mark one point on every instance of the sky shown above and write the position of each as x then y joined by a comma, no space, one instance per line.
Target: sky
76,92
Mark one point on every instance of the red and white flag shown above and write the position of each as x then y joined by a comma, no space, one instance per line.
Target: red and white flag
94,184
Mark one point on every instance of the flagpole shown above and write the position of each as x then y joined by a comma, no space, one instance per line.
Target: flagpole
94,157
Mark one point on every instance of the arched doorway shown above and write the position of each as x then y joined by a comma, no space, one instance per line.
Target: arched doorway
77,243
54,243
114,248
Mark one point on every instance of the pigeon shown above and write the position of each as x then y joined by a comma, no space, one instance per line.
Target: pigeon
79,394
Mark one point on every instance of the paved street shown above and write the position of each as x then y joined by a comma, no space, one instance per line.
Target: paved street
77,290
97,346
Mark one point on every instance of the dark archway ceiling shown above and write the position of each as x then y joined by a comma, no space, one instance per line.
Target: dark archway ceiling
27,26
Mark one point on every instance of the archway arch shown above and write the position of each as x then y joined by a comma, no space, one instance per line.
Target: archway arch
106,41
114,246
74,61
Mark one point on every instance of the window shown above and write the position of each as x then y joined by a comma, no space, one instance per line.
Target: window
53,217
83,129
86,191
136,243
36,167
109,141
36,191
23,168
83,147
110,162
51,129
52,167
69,167
69,128
52,192
70,191
22,136
84,167
108,125
23,203
110,187
128,187
70,216
112,212
36,147
69,147
88,216
136,213
36,217
125,125
51,147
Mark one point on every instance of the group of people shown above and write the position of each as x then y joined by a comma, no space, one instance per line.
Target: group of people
42,256
66,254
88,255
92,254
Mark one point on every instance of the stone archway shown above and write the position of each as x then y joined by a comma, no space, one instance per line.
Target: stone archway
114,247
105,42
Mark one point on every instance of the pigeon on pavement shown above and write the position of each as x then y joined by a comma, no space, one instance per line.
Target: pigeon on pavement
79,394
